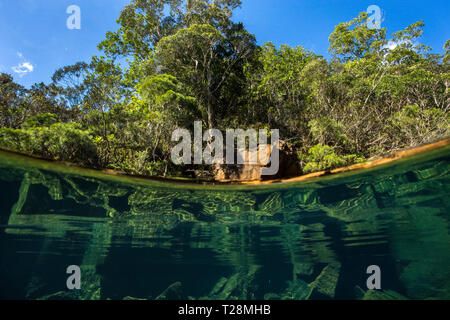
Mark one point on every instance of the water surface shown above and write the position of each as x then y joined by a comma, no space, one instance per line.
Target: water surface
134,238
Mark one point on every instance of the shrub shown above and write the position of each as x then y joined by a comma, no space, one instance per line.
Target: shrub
326,130
59,141
412,126
15,139
323,157
40,120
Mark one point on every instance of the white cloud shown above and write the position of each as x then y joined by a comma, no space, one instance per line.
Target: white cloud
391,45
23,68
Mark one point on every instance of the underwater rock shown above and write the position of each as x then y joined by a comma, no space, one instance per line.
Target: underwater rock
423,264
35,286
272,296
303,270
307,197
297,290
398,217
241,285
92,294
219,286
324,287
231,286
132,298
60,295
359,292
383,295
173,292
440,169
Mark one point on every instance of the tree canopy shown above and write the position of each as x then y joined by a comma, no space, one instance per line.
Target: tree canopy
173,62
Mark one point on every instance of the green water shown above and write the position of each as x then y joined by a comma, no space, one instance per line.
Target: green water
156,240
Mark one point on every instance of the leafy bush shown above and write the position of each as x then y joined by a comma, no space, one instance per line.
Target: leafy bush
139,163
326,130
129,161
413,126
40,120
15,139
68,143
323,157
59,141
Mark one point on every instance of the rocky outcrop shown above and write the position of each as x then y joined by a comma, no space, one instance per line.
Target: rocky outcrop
288,166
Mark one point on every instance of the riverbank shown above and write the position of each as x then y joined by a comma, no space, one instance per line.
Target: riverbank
108,173
365,165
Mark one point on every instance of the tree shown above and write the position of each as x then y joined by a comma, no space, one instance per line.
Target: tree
354,40
12,97
70,82
172,62
143,23
204,59
278,81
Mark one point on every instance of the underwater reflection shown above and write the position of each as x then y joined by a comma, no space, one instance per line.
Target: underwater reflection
310,240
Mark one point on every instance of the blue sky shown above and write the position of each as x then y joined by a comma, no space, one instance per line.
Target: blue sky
34,39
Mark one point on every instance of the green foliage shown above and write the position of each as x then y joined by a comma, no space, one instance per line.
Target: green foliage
447,52
188,61
137,163
40,120
163,94
59,141
278,86
415,126
354,40
15,139
207,62
325,130
323,157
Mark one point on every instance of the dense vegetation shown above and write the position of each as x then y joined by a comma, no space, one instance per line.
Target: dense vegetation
164,69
